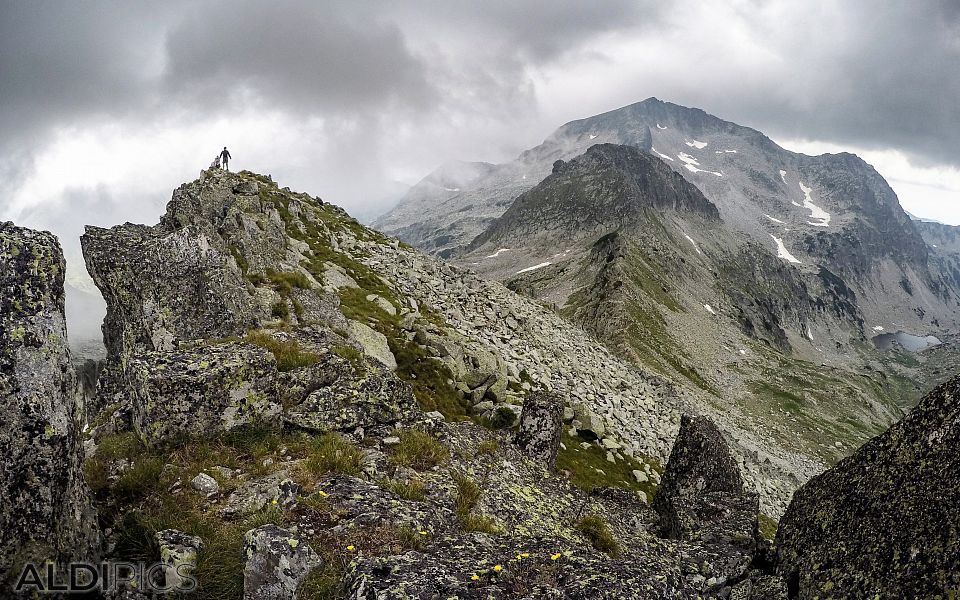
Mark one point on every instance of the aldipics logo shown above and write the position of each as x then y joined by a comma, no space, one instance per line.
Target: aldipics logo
80,578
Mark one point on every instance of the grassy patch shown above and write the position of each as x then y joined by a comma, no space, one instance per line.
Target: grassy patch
465,502
768,527
501,418
332,453
349,353
409,490
589,467
597,532
288,353
285,282
488,448
418,450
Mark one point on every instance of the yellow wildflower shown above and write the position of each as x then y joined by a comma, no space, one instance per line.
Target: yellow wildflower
475,577
350,548
497,568
323,494
422,532
525,554
555,556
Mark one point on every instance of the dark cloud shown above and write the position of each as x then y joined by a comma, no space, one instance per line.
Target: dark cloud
390,89
314,58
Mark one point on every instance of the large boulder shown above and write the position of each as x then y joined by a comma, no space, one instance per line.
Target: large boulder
373,342
45,509
884,522
540,426
178,555
201,390
360,397
702,499
164,286
275,563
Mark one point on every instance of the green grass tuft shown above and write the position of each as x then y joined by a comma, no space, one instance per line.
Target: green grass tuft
465,502
418,450
288,353
332,453
596,530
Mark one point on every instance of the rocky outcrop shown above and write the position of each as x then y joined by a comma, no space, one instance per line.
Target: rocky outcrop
45,510
162,286
207,388
702,497
883,522
275,563
540,427
356,399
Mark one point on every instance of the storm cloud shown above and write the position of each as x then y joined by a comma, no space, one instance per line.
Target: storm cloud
106,106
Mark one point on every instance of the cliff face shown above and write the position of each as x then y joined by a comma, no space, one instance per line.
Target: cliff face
45,510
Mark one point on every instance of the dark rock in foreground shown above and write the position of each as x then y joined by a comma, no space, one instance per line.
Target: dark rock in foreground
884,522
540,424
45,511
702,498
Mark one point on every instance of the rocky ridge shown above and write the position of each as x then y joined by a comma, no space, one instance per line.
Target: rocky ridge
360,438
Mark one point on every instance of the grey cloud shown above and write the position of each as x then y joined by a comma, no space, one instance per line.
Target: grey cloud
312,58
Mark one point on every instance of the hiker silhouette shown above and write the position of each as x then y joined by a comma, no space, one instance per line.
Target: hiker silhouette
225,158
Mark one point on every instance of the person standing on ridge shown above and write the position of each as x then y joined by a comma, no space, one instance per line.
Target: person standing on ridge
225,158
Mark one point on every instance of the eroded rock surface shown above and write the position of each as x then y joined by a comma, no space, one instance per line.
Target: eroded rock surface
702,498
540,424
45,510
883,522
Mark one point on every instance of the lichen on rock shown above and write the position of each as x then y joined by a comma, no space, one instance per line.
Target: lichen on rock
45,508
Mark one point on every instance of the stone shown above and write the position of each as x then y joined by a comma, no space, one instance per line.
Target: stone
384,304
373,342
335,277
201,390
46,513
247,187
276,561
760,587
702,499
225,472
640,476
178,555
590,424
391,440
353,397
610,444
254,495
205,484
883,521
541,427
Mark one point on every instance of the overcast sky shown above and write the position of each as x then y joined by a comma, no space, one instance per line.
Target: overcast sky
105,107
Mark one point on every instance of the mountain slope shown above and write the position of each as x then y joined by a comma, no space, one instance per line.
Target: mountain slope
626,247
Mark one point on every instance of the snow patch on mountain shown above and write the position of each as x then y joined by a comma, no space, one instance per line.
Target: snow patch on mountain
818,216
710,309
783,175
693,165
697,144
695,246
661,155
659,126
775,220
534,267
498,252
726,152
782,251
